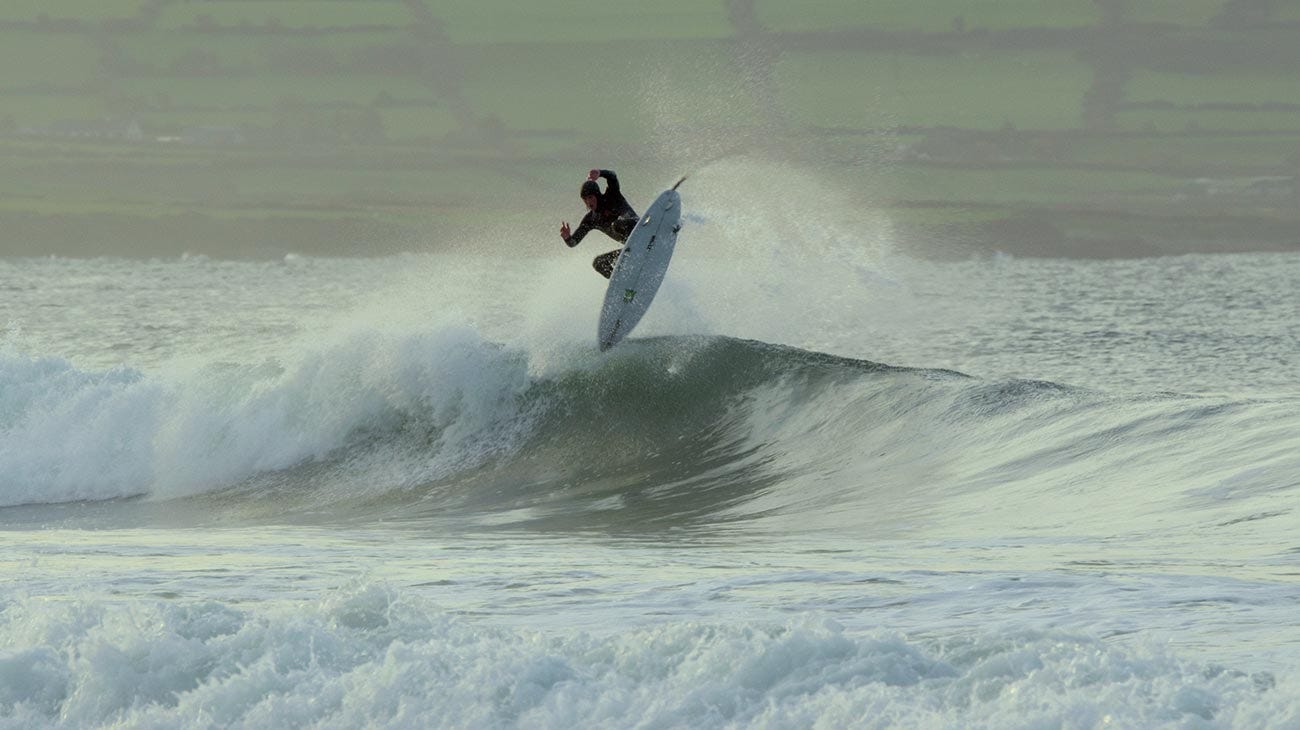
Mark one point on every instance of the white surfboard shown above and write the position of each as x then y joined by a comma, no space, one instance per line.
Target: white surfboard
640,268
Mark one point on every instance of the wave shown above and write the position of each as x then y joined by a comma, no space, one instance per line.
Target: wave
665,432
375,656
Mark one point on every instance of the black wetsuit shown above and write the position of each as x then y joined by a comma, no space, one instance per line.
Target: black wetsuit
613,216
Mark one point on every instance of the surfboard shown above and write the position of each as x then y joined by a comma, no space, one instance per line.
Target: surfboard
641,268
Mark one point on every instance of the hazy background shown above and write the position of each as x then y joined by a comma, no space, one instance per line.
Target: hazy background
257,128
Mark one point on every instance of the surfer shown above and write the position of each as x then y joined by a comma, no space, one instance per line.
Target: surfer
608,212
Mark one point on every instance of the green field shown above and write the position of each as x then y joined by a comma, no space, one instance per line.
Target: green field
1189,13
524,86
242,92
1020,186
1196,120
1229,87
979,90
286,13
247,118
1211,150
163,52
30,10
925,16
31,60
418,123
35,109
578,22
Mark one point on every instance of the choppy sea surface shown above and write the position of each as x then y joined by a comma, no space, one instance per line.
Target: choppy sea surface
410,492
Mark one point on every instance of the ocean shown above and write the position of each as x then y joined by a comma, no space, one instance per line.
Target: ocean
823,485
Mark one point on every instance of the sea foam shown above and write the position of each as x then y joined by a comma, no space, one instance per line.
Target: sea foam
73,434
371,655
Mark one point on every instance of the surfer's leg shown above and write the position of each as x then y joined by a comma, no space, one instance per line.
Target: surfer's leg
623,227
604,263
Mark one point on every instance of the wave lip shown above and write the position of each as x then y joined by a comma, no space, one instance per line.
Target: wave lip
661,432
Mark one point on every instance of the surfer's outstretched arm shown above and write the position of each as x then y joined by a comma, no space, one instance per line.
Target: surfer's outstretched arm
611,181
574,238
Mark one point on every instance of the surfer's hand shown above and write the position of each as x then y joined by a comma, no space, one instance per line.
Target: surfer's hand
564,231
593,174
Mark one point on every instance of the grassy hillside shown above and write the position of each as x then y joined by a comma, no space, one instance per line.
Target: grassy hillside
256,127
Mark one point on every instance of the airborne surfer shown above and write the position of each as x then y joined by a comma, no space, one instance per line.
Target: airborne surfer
608,212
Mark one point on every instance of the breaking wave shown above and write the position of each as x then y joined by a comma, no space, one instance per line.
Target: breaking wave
662,432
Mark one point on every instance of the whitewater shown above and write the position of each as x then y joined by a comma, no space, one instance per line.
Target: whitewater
409,491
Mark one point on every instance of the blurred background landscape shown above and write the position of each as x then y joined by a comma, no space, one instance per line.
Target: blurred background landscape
260,128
